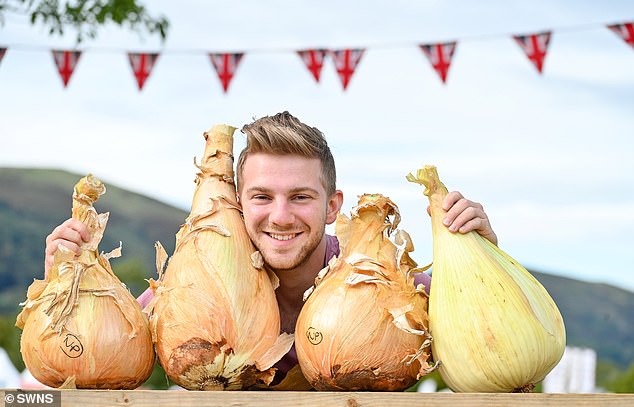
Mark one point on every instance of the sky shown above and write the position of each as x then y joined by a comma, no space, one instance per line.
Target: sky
551,156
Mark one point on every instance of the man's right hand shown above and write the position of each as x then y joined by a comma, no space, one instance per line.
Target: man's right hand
72,234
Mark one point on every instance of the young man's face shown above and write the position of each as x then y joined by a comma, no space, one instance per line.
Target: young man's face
286,207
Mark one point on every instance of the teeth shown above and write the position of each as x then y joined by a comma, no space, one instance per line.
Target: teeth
282,237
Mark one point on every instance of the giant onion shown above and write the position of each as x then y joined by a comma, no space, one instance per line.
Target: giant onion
495,327
81,324
214,316
364,327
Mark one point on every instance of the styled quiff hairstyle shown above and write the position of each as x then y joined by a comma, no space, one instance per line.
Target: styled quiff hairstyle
284,134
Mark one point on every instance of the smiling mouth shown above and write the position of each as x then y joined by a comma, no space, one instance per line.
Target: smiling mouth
281,237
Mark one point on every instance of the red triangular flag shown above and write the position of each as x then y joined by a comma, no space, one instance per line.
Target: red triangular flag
625,31
346,61
440,56
535,47
225,65
142,65
66,61
314,60
2,52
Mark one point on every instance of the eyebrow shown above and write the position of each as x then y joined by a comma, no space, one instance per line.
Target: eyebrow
292,191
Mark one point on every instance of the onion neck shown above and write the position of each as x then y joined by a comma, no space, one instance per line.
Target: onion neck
216,177
371,230
437,212
210,186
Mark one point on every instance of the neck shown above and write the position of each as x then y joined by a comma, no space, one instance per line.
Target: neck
294,282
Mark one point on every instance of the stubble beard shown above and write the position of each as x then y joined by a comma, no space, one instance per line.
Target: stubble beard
301,258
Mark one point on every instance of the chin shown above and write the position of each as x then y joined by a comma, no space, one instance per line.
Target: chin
280,265
282,262
287,260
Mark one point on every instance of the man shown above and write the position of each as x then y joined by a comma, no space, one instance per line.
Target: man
287,188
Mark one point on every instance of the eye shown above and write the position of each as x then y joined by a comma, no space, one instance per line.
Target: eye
260,197
301,197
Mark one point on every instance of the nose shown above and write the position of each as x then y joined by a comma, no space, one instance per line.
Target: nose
281,214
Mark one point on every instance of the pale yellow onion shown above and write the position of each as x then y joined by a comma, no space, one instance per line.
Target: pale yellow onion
364,327
495,327
81,323
214,317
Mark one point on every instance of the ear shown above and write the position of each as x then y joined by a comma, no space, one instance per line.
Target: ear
334,206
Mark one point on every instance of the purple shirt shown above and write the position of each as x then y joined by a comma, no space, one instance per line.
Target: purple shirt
145,298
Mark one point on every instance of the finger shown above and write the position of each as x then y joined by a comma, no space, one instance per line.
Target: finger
461,211
70,227
450,199
474,224
65,234
465,213
52,247
57,232
77,226
482,227
70,238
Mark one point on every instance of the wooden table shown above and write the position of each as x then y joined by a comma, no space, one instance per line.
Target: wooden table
156,398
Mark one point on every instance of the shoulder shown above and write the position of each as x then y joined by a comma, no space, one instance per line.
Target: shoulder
332,247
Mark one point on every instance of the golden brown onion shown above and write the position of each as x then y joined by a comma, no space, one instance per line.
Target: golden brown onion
81,323
364,327
214,317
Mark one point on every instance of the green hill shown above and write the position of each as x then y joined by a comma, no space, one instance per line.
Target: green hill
33,202
598,316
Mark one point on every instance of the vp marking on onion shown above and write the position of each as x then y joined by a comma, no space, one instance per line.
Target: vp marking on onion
314,336
72,346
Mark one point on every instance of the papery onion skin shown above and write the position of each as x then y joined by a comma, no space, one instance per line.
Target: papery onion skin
495,327
81,323
214,317
364,327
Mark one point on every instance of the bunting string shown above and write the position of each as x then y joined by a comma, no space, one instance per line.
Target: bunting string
346,60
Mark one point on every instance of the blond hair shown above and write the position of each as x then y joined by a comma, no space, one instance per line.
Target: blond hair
284,134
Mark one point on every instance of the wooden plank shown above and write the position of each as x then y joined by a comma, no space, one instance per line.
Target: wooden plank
156,398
